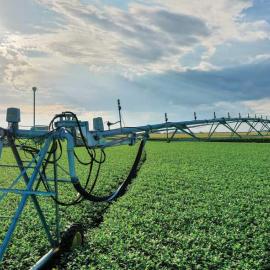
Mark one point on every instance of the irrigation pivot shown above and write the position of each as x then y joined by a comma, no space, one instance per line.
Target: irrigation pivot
45,146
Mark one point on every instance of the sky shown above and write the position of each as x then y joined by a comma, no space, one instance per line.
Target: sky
156,56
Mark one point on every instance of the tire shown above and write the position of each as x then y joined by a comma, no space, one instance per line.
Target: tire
72,238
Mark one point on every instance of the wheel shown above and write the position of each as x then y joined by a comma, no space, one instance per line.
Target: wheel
72,238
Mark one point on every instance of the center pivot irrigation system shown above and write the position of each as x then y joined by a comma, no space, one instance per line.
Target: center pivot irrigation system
45,146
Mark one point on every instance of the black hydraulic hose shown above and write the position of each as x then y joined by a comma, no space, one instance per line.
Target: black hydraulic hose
80,130
82,162
95,180
121,189
84,194
101,160
31,150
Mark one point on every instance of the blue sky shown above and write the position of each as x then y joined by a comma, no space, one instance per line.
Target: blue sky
174,56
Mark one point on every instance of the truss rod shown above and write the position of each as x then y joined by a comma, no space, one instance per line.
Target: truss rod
254,127
231,129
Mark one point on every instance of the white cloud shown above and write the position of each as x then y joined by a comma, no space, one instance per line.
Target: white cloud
144,38
260,106
205,66
224,18
258,58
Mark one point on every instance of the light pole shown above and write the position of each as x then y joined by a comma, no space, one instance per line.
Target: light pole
34,106
166,121
119,112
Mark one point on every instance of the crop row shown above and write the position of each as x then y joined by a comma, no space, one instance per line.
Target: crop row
193,206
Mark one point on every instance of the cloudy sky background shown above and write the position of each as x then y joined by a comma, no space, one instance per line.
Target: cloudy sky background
174,56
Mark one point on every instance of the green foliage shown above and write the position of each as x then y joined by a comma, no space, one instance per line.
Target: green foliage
29,242
192,206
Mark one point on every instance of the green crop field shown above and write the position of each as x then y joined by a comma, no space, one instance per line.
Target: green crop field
192,206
